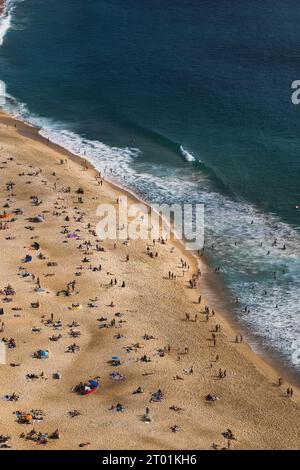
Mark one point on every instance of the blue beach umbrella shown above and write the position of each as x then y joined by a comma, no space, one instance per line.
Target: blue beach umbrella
94,383
115,358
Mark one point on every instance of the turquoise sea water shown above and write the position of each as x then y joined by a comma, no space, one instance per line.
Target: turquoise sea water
127,83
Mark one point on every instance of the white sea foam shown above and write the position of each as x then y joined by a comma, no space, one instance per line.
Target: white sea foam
6,17
187,155
5,22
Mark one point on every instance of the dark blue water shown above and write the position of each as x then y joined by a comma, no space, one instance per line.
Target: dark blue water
127,82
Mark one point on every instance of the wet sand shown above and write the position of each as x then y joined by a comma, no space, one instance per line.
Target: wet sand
2,5
251,404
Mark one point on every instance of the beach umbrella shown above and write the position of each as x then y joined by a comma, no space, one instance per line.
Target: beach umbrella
94,383
115,358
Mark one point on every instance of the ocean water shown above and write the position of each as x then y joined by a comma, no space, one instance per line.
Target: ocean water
186,101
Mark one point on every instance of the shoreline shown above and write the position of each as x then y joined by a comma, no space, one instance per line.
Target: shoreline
251,403
267,361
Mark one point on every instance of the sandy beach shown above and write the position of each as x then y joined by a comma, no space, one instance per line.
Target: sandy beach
149,323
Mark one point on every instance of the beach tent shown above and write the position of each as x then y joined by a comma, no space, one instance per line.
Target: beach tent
27,259
37,218
43,353
92,387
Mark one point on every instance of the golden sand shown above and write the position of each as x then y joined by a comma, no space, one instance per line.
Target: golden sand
251,403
